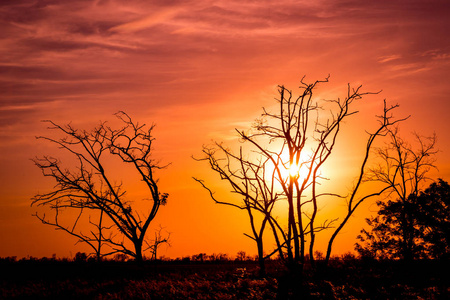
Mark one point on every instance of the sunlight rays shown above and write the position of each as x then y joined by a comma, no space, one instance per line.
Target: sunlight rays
298,169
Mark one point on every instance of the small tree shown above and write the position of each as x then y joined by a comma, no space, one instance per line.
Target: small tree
89,187
157,242
80,257
241,256
200,257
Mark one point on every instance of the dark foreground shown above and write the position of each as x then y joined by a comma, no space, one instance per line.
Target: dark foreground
226,280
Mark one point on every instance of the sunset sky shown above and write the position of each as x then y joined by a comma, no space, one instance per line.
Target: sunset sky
198,70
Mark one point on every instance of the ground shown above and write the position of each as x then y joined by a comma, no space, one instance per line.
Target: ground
354,279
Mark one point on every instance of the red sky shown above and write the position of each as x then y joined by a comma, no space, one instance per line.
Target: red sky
199,69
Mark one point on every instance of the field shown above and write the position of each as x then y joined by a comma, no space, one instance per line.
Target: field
353,279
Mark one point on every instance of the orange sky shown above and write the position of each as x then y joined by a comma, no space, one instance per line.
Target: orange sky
199,69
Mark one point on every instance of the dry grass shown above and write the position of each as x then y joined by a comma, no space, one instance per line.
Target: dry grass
344,280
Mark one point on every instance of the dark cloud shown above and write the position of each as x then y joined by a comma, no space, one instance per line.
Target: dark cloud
91,27
42,72
66,45
19,115
229,18
26,12
54,45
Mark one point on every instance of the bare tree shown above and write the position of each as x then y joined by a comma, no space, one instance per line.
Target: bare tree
354,199
88,186
157,242
403,170
251,181
301,135
94,239
402,167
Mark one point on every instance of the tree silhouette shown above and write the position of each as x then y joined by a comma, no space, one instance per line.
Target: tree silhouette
393,224
249,180
301,135
423,219
403,170
241,256
434,216
88,186
157,242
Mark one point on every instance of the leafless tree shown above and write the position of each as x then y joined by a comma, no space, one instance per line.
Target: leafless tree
403,167
89,186
403,170
300,135
252,183
386,123
94,239
157,242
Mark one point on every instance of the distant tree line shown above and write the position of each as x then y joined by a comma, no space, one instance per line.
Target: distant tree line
241,256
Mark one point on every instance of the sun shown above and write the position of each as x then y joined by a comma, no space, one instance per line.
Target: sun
294,170
297,171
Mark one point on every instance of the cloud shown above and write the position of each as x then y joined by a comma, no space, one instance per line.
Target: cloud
384,59
69,49
161,16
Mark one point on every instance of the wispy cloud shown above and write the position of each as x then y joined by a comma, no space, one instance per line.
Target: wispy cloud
388,58
160,16
66,50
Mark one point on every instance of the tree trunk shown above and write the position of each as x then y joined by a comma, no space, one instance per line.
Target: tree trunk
138,251
262,265
293,226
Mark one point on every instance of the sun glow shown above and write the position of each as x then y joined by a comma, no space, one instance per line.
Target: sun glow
295,170
288,170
